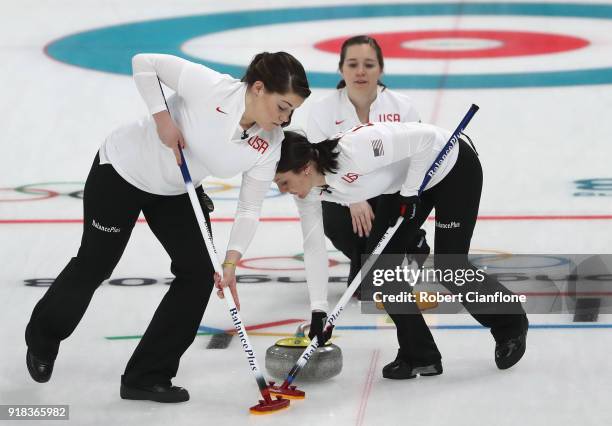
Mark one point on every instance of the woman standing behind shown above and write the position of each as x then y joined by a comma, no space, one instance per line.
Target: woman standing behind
360,98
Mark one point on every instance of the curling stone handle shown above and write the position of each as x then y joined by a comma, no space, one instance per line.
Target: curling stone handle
303,329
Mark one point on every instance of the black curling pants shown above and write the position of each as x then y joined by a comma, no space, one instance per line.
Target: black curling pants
456,200
338,227
111,208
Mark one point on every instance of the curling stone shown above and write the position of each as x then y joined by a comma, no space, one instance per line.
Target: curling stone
324,364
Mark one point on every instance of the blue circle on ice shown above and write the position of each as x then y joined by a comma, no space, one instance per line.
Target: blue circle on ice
110,49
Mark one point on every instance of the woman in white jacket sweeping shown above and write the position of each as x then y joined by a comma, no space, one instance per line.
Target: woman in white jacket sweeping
226,127
393,158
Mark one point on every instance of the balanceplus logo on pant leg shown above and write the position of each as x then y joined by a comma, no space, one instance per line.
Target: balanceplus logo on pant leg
111,229
450,225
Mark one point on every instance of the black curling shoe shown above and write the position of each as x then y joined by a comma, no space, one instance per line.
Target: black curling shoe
39,369
400,369
509,352
157,393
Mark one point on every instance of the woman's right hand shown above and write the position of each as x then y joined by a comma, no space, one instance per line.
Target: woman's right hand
169,133
227,280
362,216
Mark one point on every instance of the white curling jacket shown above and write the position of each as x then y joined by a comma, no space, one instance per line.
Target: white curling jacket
375,159
207,107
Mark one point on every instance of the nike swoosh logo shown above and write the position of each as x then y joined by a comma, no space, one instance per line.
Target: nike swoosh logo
218,109
339,122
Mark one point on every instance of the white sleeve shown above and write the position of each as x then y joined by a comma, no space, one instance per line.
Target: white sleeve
314,130
252,194
184,77
315,251
255,185
380,145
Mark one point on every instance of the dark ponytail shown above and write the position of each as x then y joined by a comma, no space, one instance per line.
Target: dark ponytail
326,156
297,152
357,40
